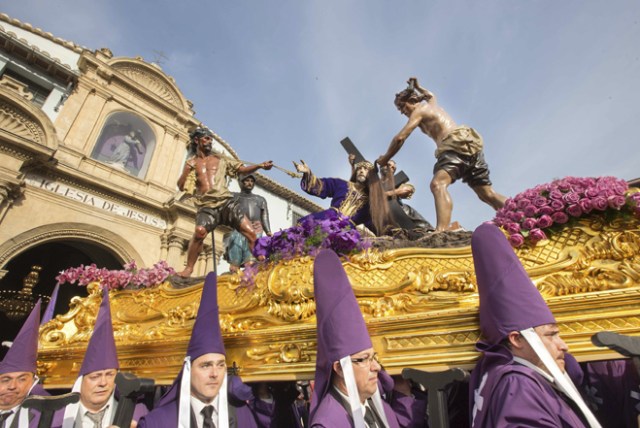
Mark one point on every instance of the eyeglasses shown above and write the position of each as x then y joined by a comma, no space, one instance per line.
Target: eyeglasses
366,361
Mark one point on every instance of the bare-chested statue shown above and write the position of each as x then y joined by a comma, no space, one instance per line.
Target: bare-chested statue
216,204
459,150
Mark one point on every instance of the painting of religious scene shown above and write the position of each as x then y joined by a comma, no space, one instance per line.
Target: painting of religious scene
125,143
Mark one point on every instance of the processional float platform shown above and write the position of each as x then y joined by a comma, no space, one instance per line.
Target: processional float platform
420,305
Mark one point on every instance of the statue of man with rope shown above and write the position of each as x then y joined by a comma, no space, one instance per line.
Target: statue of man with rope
216,204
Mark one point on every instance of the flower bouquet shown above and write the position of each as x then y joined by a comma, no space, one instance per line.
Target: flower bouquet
306,239
531,215
130,277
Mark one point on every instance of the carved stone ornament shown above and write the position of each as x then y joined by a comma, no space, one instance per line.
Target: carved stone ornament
420,306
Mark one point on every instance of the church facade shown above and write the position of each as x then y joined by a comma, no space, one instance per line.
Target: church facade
91,146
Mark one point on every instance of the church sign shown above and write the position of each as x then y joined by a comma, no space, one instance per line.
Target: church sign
95,201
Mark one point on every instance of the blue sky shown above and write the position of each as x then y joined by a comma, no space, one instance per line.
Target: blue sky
553,86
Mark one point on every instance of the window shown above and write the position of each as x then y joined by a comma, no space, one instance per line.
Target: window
40,93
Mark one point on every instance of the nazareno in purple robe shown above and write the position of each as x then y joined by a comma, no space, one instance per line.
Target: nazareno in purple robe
507,394
613,389
252,413
331,413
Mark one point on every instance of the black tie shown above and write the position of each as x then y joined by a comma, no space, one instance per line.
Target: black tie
369,418
208,420
3,418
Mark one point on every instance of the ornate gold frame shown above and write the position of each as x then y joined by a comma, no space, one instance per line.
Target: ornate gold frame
420,306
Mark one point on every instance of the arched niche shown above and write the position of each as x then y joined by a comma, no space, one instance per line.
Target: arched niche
126,142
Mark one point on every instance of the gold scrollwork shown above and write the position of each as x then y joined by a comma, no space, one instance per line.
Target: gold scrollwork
283,353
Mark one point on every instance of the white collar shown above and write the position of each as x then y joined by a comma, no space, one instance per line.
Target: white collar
198,405
535,368
109,405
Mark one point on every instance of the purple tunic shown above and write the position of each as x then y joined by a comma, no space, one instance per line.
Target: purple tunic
346,199
410,411
245,417
613,388
331,414
507,394
139,411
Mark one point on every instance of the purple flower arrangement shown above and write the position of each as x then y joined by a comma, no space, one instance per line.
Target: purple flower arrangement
309,237
529,214
305,239
129,277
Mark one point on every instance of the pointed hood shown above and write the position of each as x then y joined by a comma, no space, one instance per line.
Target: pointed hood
509,301
22,355
341,328
206,337
51,307
101,351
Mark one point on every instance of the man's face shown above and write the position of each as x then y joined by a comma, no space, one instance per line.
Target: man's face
96,388
207,373
14,387
550,335
248,183
365,370
361,174
392,166
205,143
401,106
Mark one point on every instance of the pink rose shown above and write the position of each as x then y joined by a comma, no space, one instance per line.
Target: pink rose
557,205
571,198
516,216
522,203
585,205
528,223
537,235
574,210
531,211
500,221
616,202
559,217
516,240
600,203
512,228
544,221
591,192
555,195
546,210
540,201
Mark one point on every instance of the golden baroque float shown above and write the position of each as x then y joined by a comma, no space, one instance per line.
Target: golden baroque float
420,306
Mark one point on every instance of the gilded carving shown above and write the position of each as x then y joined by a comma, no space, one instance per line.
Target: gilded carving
420,306
283,353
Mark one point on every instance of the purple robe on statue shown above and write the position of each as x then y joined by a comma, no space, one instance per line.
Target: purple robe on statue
346,199
508,394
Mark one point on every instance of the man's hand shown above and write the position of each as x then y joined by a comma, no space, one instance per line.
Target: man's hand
382,161
405,191
352,158
413,82
266,165
302,167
